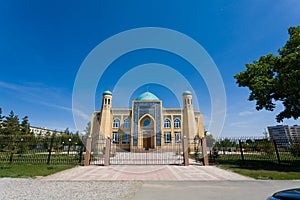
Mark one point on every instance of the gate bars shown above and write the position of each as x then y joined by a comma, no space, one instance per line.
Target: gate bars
102,151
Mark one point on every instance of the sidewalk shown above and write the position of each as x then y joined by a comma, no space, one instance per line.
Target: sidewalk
146,172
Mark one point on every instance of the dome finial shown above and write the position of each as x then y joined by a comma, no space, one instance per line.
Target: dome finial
107,92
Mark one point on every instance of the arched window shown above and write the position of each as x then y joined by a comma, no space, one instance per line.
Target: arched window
116,123
177,123
167,123
147,122
126,123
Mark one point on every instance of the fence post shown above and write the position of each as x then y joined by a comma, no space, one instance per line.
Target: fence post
50,150
107,151
242,153
185,151
11,157
277,153
204,151
88,151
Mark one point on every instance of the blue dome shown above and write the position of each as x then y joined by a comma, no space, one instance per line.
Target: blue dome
147,96
107,92
187,92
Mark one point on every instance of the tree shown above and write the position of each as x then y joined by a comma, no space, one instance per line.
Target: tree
210,140
25,126
11,125
1,121
276,79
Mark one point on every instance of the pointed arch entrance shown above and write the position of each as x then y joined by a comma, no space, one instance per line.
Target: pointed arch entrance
147,127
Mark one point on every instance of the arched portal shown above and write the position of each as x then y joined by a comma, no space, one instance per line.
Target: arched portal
147,125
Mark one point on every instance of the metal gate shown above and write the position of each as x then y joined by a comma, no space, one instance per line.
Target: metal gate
171,154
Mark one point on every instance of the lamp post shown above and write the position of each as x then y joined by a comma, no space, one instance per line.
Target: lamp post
69,145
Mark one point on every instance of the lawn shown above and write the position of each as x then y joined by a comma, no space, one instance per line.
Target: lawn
30,171
265,171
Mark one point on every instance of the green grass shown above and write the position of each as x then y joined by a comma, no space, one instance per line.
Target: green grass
30,171
265,170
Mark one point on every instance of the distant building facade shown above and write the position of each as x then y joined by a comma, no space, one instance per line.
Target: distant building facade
42,131
295,133
284,135
146,125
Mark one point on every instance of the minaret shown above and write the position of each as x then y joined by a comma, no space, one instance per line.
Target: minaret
189,122
105,115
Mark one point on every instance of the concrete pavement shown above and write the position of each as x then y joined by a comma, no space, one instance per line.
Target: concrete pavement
212,190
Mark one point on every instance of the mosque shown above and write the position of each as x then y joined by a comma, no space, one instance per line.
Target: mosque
146,125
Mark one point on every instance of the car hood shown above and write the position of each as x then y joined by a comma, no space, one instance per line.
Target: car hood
288,194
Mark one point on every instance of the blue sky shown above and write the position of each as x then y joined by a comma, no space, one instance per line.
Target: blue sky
43,44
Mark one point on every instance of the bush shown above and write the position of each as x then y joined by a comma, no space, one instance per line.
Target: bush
295,150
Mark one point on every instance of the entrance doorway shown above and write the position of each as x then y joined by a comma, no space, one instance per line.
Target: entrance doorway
147,128
148,139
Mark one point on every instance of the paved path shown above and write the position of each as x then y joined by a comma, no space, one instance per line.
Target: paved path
148,172
142,182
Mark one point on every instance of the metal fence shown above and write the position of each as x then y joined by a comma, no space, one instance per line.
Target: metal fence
40,150
243,150
98,151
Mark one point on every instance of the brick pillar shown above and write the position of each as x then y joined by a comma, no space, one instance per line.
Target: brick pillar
107,151
204,151
88,151
185,151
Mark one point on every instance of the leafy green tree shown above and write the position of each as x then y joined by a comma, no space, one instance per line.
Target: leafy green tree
276,78
210,140
67,131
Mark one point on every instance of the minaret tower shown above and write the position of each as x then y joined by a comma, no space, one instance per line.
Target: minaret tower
189,122
105,115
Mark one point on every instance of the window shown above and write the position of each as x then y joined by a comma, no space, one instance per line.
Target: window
147,122
167,137
116,123
177,137
126,123
177,123
167,123
125,138
116,137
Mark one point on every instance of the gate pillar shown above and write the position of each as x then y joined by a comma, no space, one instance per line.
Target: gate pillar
88,151
204,151
107,151
185,151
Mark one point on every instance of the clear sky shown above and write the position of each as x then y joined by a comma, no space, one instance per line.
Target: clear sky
44,43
